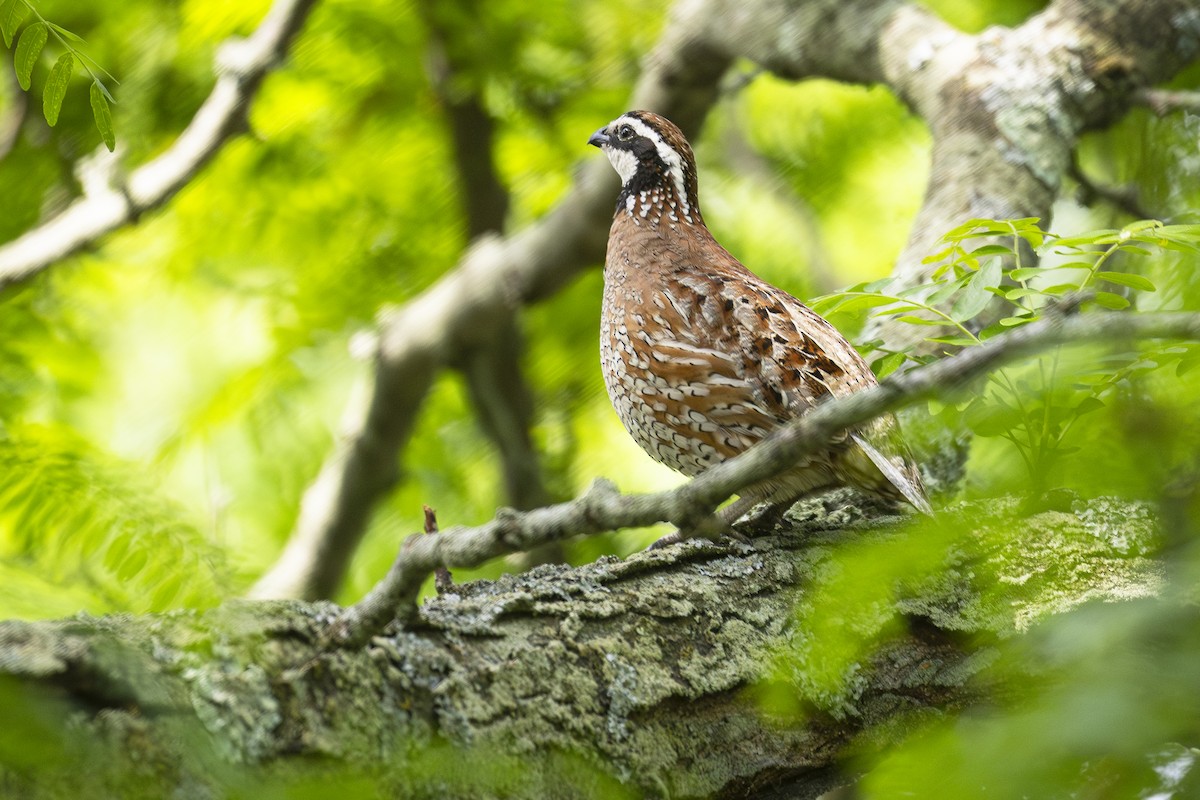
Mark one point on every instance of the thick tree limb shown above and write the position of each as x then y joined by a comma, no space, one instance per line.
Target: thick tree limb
105,206
1004,109
603,509
621,678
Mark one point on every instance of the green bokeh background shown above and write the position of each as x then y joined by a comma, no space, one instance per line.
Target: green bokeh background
166,397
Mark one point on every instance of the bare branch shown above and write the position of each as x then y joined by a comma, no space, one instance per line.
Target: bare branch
241,66
1165,101
602,508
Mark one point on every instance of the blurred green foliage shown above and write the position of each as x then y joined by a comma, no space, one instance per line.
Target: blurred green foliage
166,398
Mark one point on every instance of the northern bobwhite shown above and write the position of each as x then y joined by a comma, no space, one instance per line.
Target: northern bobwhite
701,357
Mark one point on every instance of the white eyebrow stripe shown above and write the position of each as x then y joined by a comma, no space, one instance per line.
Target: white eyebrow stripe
670,156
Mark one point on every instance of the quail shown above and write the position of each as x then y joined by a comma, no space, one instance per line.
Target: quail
702,358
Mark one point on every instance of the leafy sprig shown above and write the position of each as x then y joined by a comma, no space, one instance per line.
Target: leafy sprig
29,49
1033,408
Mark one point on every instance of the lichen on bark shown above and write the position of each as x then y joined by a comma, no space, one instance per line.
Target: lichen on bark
700,670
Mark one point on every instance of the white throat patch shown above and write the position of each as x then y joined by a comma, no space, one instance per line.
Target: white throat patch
623,162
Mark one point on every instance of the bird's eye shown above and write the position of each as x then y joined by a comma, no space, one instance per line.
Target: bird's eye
625,133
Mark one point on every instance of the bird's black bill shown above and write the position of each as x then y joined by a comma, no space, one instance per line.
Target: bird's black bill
599,138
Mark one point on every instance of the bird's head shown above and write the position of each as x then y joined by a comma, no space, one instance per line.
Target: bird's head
652,157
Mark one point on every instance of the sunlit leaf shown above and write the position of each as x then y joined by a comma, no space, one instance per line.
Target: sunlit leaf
1127,279
103,116
888,364
945,292
956,341
12,13
1110,300
56,87
1059,289
975,296
29,47
1141,225
991,250
1106,236
1012,322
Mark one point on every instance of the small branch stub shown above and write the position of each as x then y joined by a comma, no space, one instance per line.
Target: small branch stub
443,581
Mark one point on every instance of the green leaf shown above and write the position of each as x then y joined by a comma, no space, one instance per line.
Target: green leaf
859,302
944,292
911,320
888,364
986,418
991,250
1107,236
956,341
1141,225
1024,273
1088,405
1127,279
935,257
1012,322
103,116
1176,245
1060,289
66,34
1110,300
28,49
56,87
12,12
976,296
1190,232
104,90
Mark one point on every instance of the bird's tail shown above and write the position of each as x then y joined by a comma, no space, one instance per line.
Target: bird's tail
900,472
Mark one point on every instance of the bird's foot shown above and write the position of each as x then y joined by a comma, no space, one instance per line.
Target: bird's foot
710,530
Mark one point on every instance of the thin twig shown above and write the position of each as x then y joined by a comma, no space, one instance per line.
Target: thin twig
602,508
1124,198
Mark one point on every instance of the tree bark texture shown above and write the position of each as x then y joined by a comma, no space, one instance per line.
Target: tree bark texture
635,677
